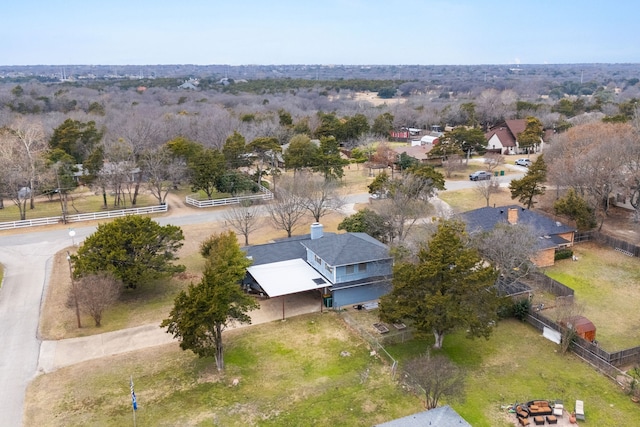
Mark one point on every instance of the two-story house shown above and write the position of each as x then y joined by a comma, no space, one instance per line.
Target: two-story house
345,269
503,138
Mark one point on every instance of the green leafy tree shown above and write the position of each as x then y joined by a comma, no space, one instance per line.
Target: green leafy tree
330,126
205,171
532,134
134,249
235,150
383,124
367,221
359,155
355,126
380,184
285,118
461,140
78,139
469,110
301,154
234,182
530,185
184,149
577,209
405,161
205,310
328,160
449,287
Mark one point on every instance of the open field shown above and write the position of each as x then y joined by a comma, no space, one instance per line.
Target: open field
468,199
607,285
292,374
517,365
309,370
80,201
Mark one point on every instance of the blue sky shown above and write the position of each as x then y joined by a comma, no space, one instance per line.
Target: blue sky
456,32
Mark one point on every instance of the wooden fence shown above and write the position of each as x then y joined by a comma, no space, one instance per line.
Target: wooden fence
192,200
550,285
620,245
82,217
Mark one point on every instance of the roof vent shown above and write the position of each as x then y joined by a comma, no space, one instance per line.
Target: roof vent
558,224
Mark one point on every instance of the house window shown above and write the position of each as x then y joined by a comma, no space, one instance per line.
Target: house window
318,260
362,267
328,268
351,269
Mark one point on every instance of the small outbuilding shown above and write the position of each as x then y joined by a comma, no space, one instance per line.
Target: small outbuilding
583,327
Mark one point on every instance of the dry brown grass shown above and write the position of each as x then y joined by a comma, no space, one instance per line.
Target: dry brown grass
151,303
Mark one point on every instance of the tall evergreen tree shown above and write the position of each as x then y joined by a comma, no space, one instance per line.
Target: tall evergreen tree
205,310
530,185
449,287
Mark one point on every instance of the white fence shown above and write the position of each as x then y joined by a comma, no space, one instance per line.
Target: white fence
82,217
265,194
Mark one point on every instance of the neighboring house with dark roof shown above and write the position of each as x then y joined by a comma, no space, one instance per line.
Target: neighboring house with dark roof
552,235
346,269
503,138
443,416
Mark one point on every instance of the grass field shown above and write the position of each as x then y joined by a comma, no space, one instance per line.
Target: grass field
80,201
293,374
468,199
607,285
309,370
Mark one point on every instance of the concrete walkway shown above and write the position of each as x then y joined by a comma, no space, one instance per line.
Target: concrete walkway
60,353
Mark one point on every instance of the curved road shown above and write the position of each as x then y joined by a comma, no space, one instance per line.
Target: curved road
27,260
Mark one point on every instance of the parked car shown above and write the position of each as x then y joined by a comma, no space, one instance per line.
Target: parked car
523,162
480,175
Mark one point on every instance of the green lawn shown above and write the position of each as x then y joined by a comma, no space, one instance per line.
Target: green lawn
78,202
295,373
517,365
309,370
607,285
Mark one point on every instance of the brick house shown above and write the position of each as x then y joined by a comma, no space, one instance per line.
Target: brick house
552,235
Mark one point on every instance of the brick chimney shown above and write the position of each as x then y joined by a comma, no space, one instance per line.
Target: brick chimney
512,216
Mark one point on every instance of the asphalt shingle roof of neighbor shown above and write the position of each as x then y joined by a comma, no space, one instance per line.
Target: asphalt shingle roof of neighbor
348,248
485,219
443,416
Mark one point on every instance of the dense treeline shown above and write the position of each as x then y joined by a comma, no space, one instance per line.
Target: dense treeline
113,127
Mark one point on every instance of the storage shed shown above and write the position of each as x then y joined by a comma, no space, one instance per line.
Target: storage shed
583,326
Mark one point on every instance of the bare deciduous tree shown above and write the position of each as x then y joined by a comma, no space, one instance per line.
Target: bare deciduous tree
438,377
452,164
319,196
162,170
487,187
493,160
30,138
288,208
510,248
96,293
244,218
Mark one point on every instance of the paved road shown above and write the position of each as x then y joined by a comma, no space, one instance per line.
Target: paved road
27,259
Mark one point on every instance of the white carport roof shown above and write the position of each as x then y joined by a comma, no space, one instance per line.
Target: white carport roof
287,277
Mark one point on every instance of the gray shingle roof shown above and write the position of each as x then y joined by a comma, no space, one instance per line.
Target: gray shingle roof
444,416
348,248
283,250
485,219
